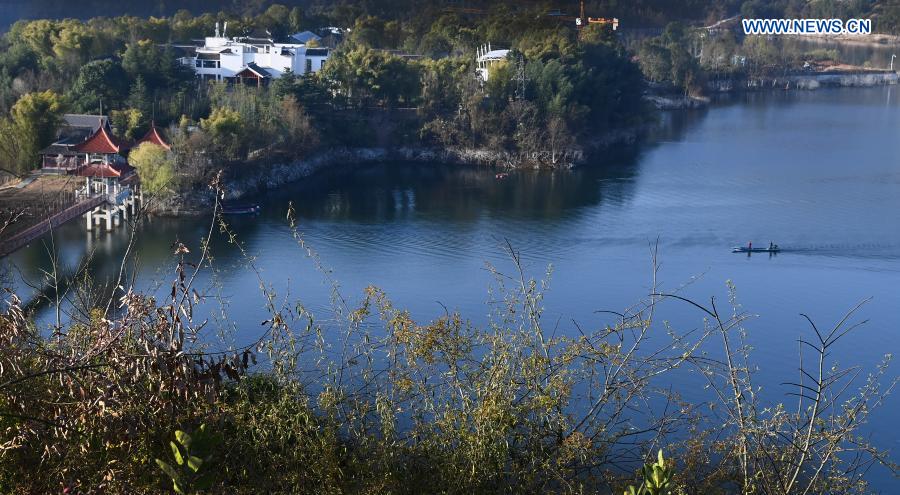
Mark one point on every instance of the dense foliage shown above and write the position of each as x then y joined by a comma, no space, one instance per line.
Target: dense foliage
154,166
131,393
559,87
391,82
637,13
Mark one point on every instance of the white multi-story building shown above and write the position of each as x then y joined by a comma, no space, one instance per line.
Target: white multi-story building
253,60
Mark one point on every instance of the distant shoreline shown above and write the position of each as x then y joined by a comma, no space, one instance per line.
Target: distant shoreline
874,40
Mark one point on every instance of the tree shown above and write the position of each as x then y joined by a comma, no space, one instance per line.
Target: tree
72,43
668,58
655,61
137,96
37,35
295,19
99,81
296,128
442,84
284,85
226,129
127,122
32,126
362,74
155,167
276,19
374,32
157,66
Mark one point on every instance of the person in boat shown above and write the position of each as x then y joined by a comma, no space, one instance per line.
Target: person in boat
771,246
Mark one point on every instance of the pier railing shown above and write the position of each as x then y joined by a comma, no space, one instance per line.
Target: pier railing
24,237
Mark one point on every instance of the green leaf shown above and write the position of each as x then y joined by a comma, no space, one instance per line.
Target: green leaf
194,463
169,470
178,488
184,439
176,453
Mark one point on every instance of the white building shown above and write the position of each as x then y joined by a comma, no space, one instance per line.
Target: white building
485,58
253,60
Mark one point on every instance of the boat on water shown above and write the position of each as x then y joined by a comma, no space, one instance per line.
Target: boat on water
754,250
240,209
747,249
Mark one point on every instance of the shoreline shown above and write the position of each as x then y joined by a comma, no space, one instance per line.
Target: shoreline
666,100
265,178
872,40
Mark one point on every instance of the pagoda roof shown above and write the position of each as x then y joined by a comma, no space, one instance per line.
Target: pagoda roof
58,149
99,169
153,136
81,120
101,142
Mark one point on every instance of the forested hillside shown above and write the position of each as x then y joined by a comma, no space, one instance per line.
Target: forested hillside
636,13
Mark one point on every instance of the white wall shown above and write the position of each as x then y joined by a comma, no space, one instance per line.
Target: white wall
242,55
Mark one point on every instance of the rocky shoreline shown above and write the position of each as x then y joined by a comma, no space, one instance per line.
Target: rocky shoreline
271,177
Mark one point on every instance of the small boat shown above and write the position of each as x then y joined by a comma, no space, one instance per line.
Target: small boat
501,176
744,249
240,209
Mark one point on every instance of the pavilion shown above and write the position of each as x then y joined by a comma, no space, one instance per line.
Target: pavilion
102,164
153,136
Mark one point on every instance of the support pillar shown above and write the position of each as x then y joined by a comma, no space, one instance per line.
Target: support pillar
90,219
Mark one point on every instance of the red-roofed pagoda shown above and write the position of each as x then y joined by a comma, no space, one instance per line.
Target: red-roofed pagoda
101,144
106,174
103,166
153,136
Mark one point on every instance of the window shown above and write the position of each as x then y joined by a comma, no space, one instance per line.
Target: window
308,66
322,63
198,63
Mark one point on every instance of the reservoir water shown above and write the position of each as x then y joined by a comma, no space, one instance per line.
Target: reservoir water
816,172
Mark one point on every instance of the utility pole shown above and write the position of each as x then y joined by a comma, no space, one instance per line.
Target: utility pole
581,18
520,78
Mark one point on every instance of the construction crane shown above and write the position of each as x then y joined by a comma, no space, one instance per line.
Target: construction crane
580,21
584,20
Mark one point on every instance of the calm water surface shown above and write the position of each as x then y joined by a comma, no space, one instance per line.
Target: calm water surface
816,172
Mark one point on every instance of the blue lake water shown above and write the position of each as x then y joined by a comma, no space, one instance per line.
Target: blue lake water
816,172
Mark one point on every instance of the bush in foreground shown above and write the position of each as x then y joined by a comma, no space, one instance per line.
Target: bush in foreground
371,401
